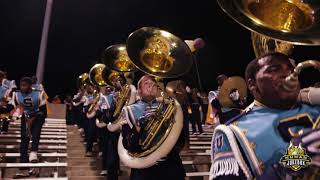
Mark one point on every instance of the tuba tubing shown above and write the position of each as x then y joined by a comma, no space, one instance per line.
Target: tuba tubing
116,125
163,150
291,82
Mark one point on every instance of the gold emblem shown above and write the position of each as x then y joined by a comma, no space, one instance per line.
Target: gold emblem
295,158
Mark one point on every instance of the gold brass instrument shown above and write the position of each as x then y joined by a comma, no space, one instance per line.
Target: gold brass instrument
83,80
292,82
293,21
122,99
113,77
276,25
99,76
229,85
93,105
4,116
177,90
161,54
117,59
263,44
154,126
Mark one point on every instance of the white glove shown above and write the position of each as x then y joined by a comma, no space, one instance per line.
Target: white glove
100,124
310,96
234,96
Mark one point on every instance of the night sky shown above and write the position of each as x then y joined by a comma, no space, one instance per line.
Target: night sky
81,29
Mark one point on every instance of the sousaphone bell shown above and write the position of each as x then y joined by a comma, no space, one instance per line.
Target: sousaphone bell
117,59
232,84
99,75
294,21
83,80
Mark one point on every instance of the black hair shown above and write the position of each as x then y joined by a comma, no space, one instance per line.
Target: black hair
27,80
253,67
34,78
2,74
221,76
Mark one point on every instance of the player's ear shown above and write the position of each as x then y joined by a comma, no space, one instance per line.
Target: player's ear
251,83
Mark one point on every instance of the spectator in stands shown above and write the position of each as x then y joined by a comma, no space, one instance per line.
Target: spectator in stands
77,104
56,100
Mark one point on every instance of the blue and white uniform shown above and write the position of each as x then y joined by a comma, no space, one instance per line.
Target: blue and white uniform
30,101
6,87
106,102
34,105
256,141
169,167
38,87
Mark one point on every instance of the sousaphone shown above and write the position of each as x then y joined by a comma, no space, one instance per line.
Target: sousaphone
117,59
277,25
99,76
83,80
161,54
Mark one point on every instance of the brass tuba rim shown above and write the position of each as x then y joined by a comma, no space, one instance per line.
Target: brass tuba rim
179,51
111,57
309,36
93,75
83,80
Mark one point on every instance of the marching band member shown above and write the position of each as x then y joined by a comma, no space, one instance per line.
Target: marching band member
169,167
119,84
77,102
251,146
6,89
110,156
195,109
90,125
6,86
34,104
222,112
214,105
69,107
36,85
5,110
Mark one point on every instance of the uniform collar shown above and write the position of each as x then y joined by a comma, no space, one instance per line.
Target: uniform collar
259,104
